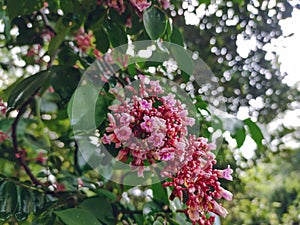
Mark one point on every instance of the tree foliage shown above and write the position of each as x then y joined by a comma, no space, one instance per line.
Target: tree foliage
47,47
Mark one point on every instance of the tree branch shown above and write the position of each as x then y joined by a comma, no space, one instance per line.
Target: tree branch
16,146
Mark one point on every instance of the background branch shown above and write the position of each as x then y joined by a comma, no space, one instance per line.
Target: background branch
16,146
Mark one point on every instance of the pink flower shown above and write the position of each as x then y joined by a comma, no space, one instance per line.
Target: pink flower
169,99
165,4
155,87
211,146
112,123
180,145
106,140
122,155
193,214
80,182
189,121
157,139
129,22
140,5
117,5
141,171
21,154
159,132
159,123
226,174
145,105
60,187
84,40
219,210
148,124
47,35
126,119
97,53
123,133
198,178
167,154
41,158
226,194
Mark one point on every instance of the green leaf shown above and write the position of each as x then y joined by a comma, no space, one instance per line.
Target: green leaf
67,56
24,204
62,29
95,18
38,200
87,109
155,22
137,25
26,89
100,208
81,107
116,34
233,125
150,208
7,92
240,137
64,80
169,30
159,193
173,222
201,104
184,61
255,132
77,216
22,7
176,37
67,6
107,194
159,221
102,41
8,199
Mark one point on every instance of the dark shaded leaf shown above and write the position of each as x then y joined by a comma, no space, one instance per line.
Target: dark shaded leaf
22,7
160,194
116,34
100,208
8,199
24,204
176,37
77,216
62,28
64,80
102,41
26,89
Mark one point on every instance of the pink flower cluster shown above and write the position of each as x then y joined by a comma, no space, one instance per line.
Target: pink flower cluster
139,5
119,5
151,126
85,42
200,182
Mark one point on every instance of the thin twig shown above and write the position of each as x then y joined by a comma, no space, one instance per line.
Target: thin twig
46,22
112,72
